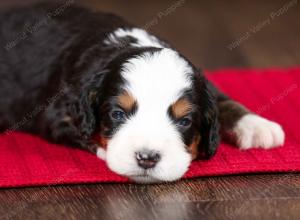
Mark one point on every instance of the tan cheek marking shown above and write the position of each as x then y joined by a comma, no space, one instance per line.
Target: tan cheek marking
100,141
126,101
193,148
181,108
103,142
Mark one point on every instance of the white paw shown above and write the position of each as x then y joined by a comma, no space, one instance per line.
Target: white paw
101,153
253,131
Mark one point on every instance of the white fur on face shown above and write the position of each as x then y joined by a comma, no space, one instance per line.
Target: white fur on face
253,131
156,82
101,153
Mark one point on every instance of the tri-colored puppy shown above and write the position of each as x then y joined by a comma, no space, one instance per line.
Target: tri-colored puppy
80,74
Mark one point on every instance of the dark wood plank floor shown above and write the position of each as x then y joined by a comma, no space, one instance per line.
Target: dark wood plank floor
213,34
239,197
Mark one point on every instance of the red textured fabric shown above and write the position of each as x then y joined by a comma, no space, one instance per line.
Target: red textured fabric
26,160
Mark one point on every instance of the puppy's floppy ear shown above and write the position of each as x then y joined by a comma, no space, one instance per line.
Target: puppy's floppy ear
209,124
85,106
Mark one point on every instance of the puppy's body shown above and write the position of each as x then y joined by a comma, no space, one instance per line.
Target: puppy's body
71,75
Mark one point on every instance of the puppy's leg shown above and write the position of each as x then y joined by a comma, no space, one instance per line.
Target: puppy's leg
245,128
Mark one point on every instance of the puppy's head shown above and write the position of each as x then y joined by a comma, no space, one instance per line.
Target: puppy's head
156,115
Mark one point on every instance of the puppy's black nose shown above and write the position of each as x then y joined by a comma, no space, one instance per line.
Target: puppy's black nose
147,159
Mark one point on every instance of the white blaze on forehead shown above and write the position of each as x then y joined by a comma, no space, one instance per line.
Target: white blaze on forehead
157,80
143,38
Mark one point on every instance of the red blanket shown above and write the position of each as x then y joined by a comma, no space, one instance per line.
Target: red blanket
26,160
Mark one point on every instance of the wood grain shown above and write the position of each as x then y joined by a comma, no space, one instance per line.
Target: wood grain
235,197
202,30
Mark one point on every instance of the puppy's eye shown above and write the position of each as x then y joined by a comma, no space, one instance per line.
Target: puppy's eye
118,115
184,122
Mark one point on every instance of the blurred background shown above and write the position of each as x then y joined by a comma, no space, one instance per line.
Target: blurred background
214,34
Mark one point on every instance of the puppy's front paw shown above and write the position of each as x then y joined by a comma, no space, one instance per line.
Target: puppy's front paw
253,131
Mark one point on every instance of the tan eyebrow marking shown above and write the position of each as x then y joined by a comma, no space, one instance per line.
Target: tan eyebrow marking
126,101
181,108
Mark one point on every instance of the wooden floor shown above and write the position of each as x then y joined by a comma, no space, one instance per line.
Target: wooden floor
213,34
237,197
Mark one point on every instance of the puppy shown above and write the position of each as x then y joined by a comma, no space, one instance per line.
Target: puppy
92,80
